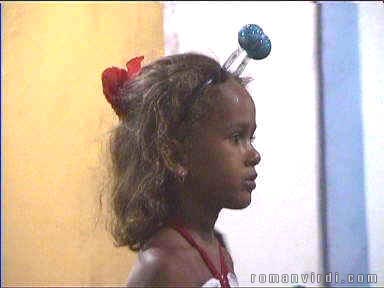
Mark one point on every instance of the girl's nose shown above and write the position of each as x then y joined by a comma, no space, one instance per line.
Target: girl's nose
254,158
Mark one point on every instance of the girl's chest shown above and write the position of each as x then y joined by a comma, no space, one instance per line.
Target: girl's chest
195,271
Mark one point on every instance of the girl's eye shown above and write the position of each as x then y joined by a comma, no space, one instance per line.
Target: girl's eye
236,137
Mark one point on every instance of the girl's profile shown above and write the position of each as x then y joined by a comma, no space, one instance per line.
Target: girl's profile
182,151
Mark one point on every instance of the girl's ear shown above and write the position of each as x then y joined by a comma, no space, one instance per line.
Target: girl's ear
174,156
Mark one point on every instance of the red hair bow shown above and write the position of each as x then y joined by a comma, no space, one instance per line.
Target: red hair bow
113,78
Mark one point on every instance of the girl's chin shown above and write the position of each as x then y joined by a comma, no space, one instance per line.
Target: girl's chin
242,201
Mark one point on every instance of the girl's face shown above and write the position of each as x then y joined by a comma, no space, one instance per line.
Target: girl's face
222,158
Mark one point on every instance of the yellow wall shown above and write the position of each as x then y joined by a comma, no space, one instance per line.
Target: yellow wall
56,121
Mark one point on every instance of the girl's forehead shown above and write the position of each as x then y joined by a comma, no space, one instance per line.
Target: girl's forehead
234,105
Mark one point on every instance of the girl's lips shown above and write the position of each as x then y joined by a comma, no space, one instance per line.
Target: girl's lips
252,176
250,185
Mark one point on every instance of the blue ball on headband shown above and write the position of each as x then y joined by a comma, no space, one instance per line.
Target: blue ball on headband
253,40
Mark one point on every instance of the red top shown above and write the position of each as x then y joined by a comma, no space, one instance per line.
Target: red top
224,270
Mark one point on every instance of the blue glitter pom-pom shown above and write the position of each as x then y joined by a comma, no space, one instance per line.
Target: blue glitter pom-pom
253,40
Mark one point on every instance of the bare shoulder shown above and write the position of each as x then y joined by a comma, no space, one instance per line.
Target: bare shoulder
152,268
160,265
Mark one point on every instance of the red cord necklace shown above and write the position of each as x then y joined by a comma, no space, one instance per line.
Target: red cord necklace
224,270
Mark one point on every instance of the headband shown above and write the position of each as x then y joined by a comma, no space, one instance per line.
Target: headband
252,41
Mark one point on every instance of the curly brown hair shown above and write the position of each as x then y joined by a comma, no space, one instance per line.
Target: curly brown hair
155,101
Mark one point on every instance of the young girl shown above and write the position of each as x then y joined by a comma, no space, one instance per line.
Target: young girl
182,152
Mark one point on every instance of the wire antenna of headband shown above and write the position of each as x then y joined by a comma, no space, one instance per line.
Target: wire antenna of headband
254,42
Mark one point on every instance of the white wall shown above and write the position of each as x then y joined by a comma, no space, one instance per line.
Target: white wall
280,232
371,32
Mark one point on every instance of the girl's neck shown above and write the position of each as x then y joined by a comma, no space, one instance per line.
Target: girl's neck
197,218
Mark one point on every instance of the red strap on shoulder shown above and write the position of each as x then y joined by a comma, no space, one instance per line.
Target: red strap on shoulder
224,270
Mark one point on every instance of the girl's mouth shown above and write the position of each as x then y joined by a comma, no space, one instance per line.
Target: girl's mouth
250,185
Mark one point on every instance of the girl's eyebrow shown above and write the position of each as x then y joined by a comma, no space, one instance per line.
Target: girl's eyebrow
244,125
